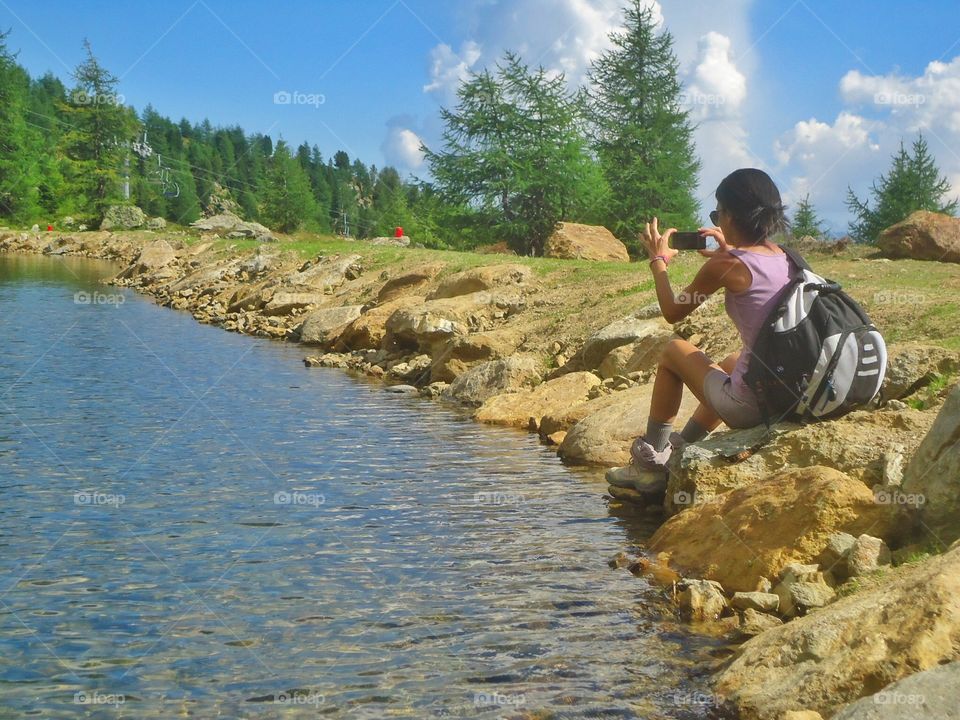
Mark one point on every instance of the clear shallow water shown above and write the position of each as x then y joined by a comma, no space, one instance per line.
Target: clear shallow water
197,525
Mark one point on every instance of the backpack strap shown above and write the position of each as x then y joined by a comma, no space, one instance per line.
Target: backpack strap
797,258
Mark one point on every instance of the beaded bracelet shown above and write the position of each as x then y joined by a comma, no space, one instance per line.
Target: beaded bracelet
659,257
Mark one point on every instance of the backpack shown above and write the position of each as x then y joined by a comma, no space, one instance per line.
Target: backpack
817,356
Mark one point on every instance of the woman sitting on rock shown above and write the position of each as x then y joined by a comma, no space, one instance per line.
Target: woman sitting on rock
752,271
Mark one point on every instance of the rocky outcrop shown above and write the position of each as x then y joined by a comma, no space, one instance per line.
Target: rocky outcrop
852,648
368,331
229,225
525,408
430,326
923,236
574,241
933,693
123,217
484,381
933,474
611,423
912,365
322,327
741,536
408,283
480,279
644,336
458,354
152,257
848,444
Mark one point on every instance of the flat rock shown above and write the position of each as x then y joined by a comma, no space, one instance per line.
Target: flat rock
491,378
483,278
517,409
933,693
849,444
742,535
324,325
852,648
911,365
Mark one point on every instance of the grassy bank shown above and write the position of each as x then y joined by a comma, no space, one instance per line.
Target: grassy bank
909,300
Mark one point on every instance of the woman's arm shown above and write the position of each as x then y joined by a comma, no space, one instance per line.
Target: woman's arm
708,280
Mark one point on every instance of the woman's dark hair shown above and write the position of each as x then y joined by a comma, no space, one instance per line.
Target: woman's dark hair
752,199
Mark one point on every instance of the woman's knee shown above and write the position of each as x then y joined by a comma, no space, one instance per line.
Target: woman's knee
672,350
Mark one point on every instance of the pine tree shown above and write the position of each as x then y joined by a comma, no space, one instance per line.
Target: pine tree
913,183
805,221
287,199
19,143
515,146
99,127
644,140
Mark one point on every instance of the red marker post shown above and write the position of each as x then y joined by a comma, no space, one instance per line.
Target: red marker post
398,232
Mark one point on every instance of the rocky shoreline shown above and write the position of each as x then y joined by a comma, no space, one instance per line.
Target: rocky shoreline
829,555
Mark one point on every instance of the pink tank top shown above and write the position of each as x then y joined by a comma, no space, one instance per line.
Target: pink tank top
749,308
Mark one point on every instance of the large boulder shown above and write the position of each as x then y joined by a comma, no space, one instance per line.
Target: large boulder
429,326
604,437
907,621
460,353
368,331
525,408
933,693
911,365
862,444
123,217
643,335
228,224
482,278
574,241
478,384
151,258
408,283
287,303
325,273
743,535
923,235
323,326
933,473
642,354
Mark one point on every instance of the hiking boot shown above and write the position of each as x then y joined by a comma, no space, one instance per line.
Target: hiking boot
647,458
634,477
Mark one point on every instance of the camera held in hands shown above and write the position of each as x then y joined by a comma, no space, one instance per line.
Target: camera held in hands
688,241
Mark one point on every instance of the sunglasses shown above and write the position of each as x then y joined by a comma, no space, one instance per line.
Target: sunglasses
715,217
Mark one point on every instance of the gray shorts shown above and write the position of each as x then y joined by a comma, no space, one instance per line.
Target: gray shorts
732,410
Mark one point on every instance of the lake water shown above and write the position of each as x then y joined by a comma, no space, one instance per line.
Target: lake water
196,525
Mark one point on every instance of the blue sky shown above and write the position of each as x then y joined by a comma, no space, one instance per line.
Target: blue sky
816,92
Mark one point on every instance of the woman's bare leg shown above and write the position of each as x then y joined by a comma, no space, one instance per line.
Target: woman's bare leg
681,363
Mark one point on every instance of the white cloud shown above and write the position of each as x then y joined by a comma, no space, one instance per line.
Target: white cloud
401,148
714,92
564,36
448,69
825,158
716,88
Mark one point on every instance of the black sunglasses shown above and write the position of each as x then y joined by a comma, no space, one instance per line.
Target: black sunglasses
715,217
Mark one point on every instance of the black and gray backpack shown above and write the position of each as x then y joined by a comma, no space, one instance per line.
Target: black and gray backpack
817,355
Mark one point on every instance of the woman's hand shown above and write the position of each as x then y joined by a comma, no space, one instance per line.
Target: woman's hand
658,244
717,234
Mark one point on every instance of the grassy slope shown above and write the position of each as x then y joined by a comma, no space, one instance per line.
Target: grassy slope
907,299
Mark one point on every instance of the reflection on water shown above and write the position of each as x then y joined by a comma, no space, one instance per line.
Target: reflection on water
196,524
